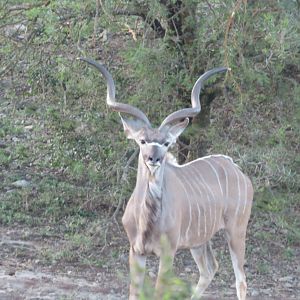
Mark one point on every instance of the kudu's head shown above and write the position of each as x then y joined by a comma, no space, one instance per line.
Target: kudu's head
153,142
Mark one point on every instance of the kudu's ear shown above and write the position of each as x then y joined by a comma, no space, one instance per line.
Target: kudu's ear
132,127
176,130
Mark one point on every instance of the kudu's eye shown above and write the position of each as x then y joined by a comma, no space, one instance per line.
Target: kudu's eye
143,142
167,144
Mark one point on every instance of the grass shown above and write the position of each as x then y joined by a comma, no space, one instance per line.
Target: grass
61,160
73,167
73,157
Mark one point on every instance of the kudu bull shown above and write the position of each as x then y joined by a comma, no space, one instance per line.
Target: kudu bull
187,204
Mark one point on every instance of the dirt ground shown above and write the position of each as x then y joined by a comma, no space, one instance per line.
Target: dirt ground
24,275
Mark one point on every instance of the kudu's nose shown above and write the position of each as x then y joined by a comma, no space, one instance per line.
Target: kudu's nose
154,159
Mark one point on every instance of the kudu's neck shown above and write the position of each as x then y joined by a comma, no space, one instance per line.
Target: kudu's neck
149,198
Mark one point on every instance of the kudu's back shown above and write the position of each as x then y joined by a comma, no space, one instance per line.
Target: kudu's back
207,195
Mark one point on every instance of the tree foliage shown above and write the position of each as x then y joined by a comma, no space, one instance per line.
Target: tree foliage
155,51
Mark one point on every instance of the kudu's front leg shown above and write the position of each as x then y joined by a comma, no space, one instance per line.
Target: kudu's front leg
137,264
165,266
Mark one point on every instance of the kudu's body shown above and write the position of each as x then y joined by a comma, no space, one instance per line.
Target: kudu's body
186,204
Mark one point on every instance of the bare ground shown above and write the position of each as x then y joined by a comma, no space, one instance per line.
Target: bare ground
24,274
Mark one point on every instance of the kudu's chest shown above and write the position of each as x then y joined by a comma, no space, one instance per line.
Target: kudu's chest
146,220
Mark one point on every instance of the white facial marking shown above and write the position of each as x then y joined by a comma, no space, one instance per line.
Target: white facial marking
153,167
155,144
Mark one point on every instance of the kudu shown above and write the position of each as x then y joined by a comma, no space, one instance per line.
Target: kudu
187,204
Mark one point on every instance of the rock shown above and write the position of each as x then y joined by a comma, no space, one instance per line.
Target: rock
21,183
188,270
123,257
2,145
151,275
104,36
288,285
286,279
15,30
266,291
83,128
9,191
10,272
255,293
28,127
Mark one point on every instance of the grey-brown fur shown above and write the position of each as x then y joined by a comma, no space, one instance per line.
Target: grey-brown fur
186,205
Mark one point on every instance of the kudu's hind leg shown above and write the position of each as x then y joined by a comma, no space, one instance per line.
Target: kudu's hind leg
207,266
236,242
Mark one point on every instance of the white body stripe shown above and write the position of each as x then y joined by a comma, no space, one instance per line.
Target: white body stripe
199,219
208,201
226,186
245,198
214,200
239,191
190,210
207,188
196,199
218,179
204,158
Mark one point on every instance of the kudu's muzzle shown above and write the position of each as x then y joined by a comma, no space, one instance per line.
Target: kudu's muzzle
153,157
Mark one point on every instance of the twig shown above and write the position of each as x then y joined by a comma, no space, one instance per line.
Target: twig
11,24
225,44
229,26
183,145
15,58
105,11
211,8
123,180
132,32
80,50
96,22
129,162
113,218
126,12
27,6
105,237
11,67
